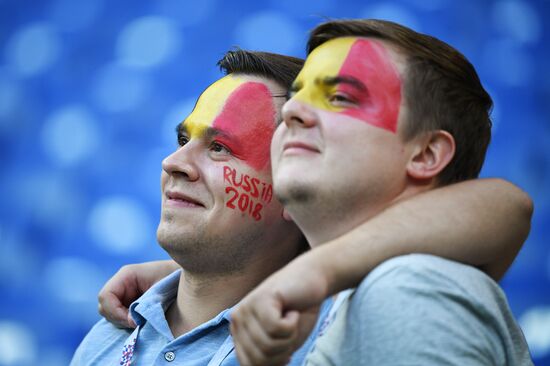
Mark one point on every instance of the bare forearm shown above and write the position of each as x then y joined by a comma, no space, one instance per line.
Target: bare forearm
481,222
169,265
161,268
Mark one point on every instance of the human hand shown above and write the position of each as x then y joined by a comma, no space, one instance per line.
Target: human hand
274,320
129,283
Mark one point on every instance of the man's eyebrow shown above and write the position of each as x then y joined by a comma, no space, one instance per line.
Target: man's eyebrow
212,132
180,128
350,80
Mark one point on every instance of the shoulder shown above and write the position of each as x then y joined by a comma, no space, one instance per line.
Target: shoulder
418,273
103,343
424,288
435,310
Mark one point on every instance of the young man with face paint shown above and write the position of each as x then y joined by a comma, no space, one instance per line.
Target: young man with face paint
505,231
219,223
383,114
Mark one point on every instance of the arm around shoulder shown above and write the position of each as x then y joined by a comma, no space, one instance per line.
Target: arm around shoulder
481,222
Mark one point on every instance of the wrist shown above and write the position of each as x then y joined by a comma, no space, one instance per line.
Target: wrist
320,270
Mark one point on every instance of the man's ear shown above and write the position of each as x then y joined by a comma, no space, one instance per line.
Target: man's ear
432,153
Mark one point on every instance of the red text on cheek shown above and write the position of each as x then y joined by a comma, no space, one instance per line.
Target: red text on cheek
248,116
368,61
245,193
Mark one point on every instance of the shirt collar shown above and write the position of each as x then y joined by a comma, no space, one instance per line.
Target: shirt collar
152,305
162,294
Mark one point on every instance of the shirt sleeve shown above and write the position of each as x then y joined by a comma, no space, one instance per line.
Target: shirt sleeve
424,310
101,346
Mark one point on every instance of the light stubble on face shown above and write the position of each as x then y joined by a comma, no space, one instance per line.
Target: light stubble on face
201,252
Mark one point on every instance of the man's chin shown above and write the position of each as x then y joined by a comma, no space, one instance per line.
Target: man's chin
169,234
291,191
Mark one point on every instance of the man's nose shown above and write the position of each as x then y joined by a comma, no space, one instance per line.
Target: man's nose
182,163
298,113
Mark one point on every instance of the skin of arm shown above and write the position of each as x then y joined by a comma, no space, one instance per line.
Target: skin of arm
481,222
129,283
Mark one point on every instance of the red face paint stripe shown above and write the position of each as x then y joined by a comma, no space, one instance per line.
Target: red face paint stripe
249,116
369,62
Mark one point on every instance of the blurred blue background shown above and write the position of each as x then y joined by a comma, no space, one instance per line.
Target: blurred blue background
90,93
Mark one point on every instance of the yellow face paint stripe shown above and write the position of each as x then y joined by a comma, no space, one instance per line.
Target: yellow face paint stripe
210,104
333,58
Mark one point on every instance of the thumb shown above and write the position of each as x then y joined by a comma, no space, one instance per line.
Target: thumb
131,321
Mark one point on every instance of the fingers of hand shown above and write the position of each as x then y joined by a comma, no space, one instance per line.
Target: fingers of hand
273,322
112,310
255,347
113,299
131,322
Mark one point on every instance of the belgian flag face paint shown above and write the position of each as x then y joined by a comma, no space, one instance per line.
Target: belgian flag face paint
353,76
241,116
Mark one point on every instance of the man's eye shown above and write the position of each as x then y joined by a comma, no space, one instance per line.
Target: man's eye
182,140
340,99
219,148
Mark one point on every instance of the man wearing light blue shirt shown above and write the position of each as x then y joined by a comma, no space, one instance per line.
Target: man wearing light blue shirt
209,343
219,222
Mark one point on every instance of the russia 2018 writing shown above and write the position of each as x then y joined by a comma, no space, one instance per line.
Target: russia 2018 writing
246,193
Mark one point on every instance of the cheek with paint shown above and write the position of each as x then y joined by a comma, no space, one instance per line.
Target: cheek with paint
248,117
364,60
246,193
244,114
252,106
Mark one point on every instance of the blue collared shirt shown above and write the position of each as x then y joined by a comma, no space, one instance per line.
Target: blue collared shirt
208,344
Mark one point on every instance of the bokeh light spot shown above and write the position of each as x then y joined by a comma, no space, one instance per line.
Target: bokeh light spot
17,344
119,89
33,49
73,280
120,225
70,135
518,20
147,42
269,31
535,324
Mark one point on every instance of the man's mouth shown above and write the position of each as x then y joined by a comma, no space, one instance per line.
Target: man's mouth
179,199
299,147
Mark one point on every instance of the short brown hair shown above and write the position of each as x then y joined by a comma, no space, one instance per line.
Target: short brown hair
280,68
441,88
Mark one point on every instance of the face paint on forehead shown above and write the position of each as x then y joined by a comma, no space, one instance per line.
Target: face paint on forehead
244,112
359,59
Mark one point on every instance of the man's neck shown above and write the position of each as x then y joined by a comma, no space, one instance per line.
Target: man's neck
321,225
203,296
320,230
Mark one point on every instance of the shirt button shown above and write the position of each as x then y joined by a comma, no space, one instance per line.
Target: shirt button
170,356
